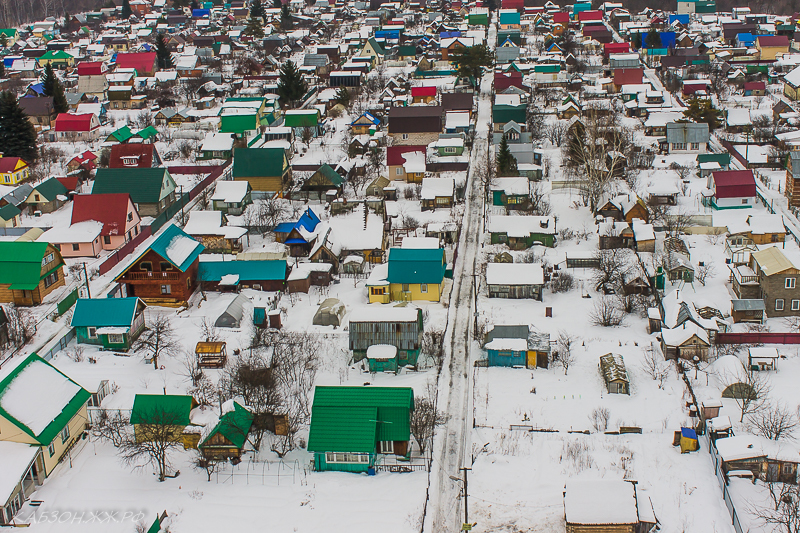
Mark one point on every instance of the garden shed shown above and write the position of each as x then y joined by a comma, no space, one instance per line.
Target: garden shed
612,366
211,354
330,313
232,317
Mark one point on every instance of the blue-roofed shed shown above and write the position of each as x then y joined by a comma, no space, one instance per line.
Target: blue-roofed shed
113,323
267,275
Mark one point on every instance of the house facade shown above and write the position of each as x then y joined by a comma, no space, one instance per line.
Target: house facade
113,323
377,324
29,271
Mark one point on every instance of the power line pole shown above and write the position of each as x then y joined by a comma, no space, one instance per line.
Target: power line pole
86,279
466,495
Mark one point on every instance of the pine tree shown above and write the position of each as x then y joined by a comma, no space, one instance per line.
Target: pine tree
17,134
48,80
126,11
254,28
2,69
52,87
163,54
291,85
506,162
653,39
343,96
257,11
277,4
286,19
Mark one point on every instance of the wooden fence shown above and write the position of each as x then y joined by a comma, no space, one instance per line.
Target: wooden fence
758,338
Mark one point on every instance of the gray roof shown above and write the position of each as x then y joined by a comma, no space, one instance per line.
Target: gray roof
19,195
507,332
795,157
687,132
232,317
315,60
748,305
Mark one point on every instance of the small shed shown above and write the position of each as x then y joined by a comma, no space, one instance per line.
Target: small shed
711,408
748,311
719,427
689,440
211,354
330,313
763,358
232,317
353,264
507,352
382,358
612,367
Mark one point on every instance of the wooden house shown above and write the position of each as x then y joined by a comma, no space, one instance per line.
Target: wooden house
624,207
768,460
612,368
305,275
685,342
29,271
414,274
151,413
212,230
520,233
606,506
406,162
793,174
47,196
298,236
134,155
423,95
42,407
13,170
760,229
113,323
266,169
10,216
352,426
731,189
748,311
515,280
437,193
152,190
321,183
231,197
415,125
365,124
166,272
227,438
398,326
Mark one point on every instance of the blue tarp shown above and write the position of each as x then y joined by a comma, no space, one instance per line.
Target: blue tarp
200,13
683,19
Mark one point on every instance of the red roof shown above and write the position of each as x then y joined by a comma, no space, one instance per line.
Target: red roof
616,48
143,62
141,152
88,155
394,154
69,122
755,86
70,182
590,15
628,76
513,4
8,164
561,17
692,86
423,91
110,209
504,80
734,184
773,40
91,68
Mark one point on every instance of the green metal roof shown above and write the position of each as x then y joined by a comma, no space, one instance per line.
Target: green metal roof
723,158
167,409
306,119
163,241
259,162
330,174
147,133
55,54
21,264
122,134
364,396
145,185
105,312
238,123
376,46
50,188
343,429
416,266
407,50
233,425
9,211
47,435
502,114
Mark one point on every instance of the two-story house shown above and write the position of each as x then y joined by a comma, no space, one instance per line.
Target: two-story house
777,278
29,271
152,190
415,125
687,138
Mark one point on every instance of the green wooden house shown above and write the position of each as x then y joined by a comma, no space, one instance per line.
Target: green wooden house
352,426
122,135
302,120
511,193
113,323
522,232
502,114
229,435
266,169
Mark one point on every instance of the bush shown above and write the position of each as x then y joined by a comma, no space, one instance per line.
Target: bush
605,313
564,282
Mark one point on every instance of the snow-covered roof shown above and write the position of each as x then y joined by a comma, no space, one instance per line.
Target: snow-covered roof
81,232
515,345
415,162
514,274
230,191
15,458
210,223
600,501
419,243
218,142
180,248
381,351
437,187
521,226
384,313
677,336
456,119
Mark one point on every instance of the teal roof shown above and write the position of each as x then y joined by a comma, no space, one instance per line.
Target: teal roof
50,188
258,162
416,266
122,134
376,46
55,54
364,396
233,425
246,270
145,185
343,429
331,175
147,133
105,312
723,158
162,409
502,114
509,17
9,211
162,244
68,410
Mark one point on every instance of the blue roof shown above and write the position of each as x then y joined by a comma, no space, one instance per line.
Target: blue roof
105,312
408,265
284,227
689,433
246,270
309,220
38,88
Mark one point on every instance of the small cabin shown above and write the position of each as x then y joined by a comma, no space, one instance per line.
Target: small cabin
612,367
211,354
762,358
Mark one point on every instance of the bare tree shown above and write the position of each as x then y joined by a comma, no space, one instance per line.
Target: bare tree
158,340
565,355
157,433
775,421
433,345
610,267
556,132
110,426
655,367
209,331
605,313
704,272
425,418
21,325
270,211
600,417
748,388
684,172
784,516
675,223
208,464
562,283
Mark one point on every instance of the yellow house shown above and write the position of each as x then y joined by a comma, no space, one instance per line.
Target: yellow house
769,46
13,170
374,50
58,58
41,406
411,274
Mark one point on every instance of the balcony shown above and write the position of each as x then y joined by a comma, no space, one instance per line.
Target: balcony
152,276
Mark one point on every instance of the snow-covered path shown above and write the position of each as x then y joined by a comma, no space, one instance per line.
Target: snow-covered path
445,511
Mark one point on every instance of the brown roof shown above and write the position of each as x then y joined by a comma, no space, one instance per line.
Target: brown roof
457,101
37,106
415,119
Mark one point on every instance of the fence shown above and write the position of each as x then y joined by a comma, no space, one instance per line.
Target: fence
255,471
65,304
758,338
726,496
123,251
96,414
56,345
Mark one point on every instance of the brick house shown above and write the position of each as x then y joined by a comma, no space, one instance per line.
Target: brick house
415,125
777,277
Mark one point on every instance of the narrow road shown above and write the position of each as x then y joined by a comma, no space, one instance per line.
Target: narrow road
450,452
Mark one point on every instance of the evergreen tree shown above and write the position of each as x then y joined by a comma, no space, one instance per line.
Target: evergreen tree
653,39
17,134
163,55
291,85
472,61
506,162
636,41
126,11
3,40
343,96
701,110
254,28
2,69
491,5
48,80
52,87
257,11
286,18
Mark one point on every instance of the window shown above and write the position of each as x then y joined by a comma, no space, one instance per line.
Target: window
449,149
164,265
405,287
695,146
48,258
386,446
50,279
333,457
116,338
146,265
779,304
423,287
377,291
92,332
790,283
130,217
106,239
679,146
35,197
398,171
76,247
404,136
64,434
795,305
787,468
51,449
166,289
744,200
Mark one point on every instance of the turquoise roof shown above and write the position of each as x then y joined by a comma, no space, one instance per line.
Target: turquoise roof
416,266
163,241
246,270
105,312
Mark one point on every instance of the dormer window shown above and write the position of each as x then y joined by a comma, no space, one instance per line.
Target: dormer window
130,161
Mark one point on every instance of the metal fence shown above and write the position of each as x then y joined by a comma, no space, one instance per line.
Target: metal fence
726,496
259,472
56,345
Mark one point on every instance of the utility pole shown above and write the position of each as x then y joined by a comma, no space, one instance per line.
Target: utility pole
86,278
466,494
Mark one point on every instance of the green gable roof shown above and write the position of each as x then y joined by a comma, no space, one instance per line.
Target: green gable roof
233,425
55,54
723,158
21,264
161,408
145,185
343,429
416,266
50,188
306,119
502,114
41,369
9,211
364,396
122,134
407,50
238,123
376,46
105,312
258,162
147,133
331,175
